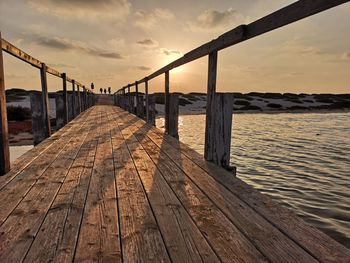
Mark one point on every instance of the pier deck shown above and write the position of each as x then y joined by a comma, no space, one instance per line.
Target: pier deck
109,187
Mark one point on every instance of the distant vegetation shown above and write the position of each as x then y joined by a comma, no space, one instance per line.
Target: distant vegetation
18,113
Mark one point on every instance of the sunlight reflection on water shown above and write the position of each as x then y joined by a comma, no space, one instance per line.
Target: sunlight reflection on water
301,160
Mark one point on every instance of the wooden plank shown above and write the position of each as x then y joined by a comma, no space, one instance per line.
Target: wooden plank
152,110
13,191
47,245
318,244
59,110
173,115
228,244
38,118
27,158
45,102
274,245
140,235
147,101
4,136
166,101
16,52
70,106
99,233
139,106
65,98
73,100
30,213
218,130
79,100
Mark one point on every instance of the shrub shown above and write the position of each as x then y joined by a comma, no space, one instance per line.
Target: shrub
241,102
18,113
274,105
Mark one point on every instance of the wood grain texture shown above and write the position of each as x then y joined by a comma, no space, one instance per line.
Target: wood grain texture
110,187
4,136
318,244
45,102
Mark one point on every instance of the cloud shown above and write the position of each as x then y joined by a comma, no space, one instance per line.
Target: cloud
298,47
148,42
169,52
143,68
68,44
60,65
149,19
211,20
83,9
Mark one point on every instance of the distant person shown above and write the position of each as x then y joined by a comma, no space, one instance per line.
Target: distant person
105,91
109,90
101,90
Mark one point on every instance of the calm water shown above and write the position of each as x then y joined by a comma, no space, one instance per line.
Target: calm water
301,160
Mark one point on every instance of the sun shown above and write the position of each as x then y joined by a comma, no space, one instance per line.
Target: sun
170,58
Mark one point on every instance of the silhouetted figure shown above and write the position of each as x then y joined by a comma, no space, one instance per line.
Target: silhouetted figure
105,91
109,90
92,86
101,90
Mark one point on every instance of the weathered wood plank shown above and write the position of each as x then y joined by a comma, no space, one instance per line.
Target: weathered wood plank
140,236
65,98
191,244
173,115
39,127
59,110
218,130
99,238
30,213
45,102
4,136
47,245
276,248
74,113
166,101
27,158
319,245
20,183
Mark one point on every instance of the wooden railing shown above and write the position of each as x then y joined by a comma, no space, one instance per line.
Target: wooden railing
219,105
68,106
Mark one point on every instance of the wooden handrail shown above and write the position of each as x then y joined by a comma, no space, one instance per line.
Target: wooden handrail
219,106
18,53
287,15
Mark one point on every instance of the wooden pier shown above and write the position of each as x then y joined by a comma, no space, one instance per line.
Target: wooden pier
110,187
106,185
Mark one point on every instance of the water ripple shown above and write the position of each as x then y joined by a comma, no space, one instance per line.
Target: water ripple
300,160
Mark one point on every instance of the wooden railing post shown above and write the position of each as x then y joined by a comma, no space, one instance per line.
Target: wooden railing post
129,100
38,117
173,115
45,102
70,108
79,99
147,100
59,111
124,100
85,99
65,99
152,110
218,119
4,136
73,99
166,102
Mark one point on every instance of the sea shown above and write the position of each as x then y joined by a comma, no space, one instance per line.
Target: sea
301,160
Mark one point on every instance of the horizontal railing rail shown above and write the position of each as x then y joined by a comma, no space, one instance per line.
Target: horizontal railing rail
18,53
218,133
68,106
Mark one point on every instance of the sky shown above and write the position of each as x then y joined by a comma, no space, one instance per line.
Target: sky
116,42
